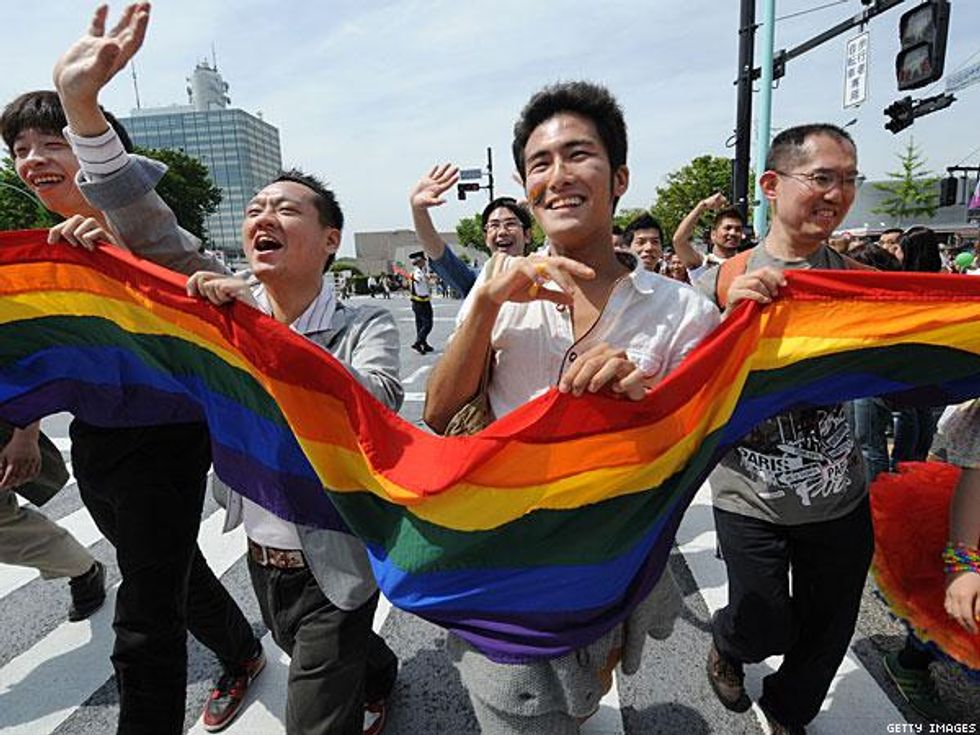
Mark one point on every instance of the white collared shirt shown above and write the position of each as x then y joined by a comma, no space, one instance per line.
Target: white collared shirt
656,320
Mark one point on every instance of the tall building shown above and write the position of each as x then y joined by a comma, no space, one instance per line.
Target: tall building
240,150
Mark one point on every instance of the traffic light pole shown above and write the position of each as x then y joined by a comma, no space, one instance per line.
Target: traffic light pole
490,172
747,74
764,117
743,113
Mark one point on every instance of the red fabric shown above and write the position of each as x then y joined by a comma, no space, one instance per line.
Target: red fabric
911,521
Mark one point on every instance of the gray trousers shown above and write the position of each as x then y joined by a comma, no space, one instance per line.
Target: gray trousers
29,539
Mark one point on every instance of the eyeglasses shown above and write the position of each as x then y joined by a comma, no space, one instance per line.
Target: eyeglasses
824,181
511,225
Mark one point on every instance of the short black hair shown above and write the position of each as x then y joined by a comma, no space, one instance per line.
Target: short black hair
41,110
325,201
507,203
920,250
727,213
787,147
890,230
642,221
617,230
875,256
592,101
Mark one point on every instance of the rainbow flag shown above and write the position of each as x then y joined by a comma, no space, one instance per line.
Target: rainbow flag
534,537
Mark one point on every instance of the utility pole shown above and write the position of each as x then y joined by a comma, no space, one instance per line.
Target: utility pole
490,172
777,67
743,113
764,118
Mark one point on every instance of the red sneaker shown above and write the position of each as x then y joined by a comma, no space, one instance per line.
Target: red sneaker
375,717
228,694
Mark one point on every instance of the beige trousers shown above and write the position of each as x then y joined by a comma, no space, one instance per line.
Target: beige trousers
30,539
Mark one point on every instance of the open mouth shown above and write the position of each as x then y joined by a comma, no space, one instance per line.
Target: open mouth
266,244
569,202
45,181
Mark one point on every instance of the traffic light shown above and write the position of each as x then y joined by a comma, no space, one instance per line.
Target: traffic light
948,191
900,113
464,186
922,32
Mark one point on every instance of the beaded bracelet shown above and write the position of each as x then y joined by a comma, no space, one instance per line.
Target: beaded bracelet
961,558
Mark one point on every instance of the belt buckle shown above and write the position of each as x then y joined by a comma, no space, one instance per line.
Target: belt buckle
263,554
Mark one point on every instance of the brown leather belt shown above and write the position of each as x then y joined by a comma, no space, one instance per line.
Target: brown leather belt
266,556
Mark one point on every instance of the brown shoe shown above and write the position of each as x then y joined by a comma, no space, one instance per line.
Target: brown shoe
728,681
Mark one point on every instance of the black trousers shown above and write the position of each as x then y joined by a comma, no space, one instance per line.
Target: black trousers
145,490
811,624
423,320
337,664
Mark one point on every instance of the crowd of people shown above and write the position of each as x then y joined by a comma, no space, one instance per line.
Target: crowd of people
581,313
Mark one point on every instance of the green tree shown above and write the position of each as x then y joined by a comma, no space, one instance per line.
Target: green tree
687,186
469,232
19,208
345,265
187,189
911,193
624,216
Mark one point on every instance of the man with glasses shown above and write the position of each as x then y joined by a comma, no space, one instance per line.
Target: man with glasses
506,226
791,497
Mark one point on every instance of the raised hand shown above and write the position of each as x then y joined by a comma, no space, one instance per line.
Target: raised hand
96,57
430,188
523,279
716,202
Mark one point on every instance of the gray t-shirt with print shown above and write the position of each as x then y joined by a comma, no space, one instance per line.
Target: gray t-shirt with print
801,466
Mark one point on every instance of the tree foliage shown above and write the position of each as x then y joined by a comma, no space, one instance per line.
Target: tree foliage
187,189
469,232
687,186
912,191
345,264
19,208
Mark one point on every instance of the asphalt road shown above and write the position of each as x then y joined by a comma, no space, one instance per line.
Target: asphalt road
55,677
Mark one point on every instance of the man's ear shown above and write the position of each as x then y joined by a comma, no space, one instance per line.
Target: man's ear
621,181
330,241
769,184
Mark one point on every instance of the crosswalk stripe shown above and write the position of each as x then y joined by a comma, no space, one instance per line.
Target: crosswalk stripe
79,524
416,375
855,702
43,686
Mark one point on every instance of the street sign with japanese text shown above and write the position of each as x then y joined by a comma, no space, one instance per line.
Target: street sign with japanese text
468,174
856,70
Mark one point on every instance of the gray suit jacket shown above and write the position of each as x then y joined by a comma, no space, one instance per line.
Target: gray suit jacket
365,339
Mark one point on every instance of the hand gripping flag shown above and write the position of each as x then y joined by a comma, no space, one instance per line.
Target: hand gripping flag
530,539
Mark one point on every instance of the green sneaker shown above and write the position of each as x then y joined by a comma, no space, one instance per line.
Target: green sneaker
917,688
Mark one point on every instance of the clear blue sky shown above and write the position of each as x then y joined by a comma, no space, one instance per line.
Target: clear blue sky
370,94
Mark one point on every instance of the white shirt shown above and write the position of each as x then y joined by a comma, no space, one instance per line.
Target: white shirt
421,279
656,320
262,526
